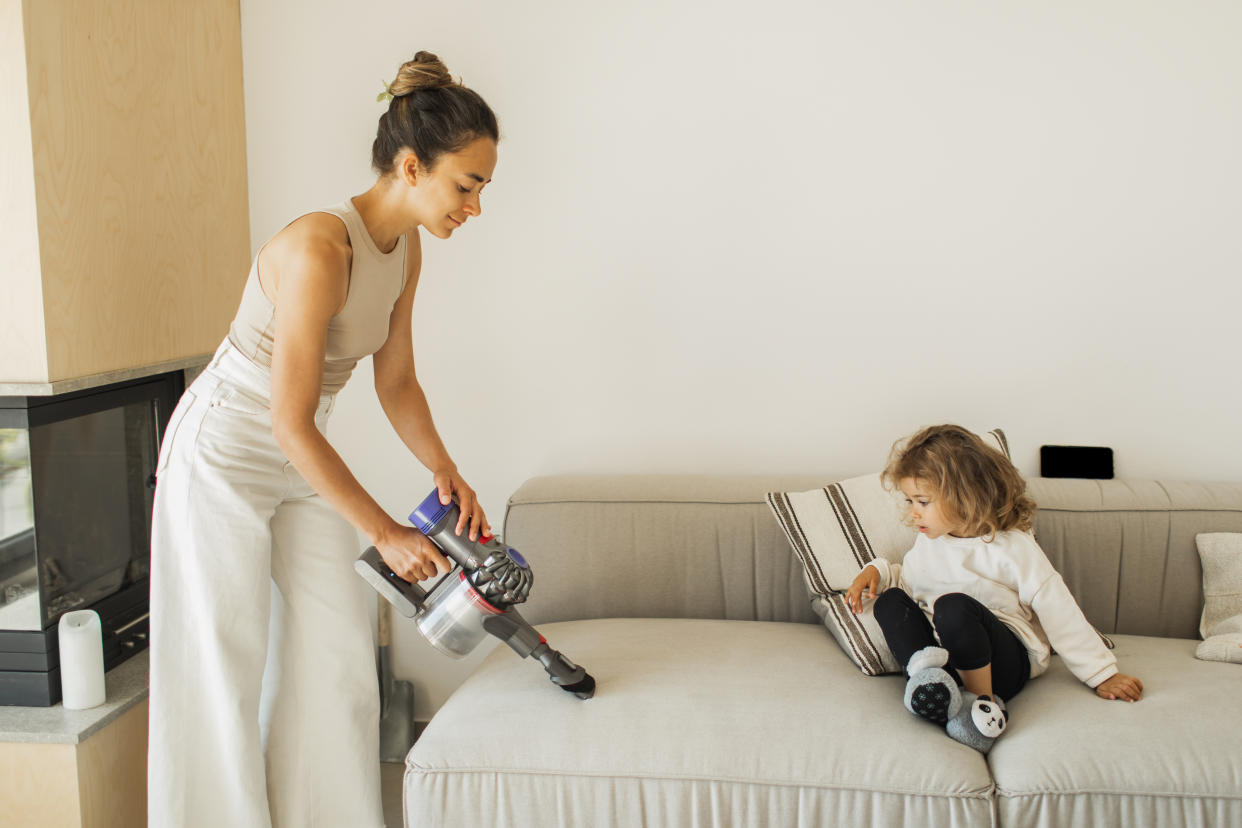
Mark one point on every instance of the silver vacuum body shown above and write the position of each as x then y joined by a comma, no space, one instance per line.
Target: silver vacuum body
474,599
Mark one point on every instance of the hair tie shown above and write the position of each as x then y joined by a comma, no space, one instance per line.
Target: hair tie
385,94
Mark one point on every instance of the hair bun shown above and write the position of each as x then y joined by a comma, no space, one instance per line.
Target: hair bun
425,71
429,114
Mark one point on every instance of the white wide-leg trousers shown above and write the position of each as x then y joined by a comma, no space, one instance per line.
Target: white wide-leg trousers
232,515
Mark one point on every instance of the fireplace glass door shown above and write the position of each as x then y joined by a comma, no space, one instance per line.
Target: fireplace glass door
77,480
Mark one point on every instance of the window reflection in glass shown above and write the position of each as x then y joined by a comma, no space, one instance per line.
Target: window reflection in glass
19,580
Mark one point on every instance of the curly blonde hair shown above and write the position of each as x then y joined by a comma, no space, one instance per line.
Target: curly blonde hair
978,486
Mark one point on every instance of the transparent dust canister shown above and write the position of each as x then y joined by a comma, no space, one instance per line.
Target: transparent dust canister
452,620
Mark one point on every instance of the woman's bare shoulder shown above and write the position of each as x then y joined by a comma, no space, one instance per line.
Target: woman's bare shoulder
315,251
317,235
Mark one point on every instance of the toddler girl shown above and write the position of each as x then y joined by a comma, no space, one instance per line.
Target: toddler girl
975,602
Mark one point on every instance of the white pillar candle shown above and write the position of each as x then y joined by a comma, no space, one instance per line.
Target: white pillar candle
81,660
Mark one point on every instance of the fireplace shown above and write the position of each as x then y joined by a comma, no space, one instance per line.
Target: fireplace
77,479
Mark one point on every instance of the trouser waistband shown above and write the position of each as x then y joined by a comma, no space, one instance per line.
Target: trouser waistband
232,366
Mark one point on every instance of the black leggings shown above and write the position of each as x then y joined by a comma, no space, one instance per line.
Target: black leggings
970,632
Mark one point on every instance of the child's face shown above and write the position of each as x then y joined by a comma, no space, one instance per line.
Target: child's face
926,509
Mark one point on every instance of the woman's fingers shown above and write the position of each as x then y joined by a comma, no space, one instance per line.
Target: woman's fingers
412,557
470,510
478,522
467,504
421,569
471,513
439,563
431,561
445,486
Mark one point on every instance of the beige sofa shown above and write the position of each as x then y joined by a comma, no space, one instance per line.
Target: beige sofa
722,701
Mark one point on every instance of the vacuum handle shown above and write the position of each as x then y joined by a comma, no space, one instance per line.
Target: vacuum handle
408,598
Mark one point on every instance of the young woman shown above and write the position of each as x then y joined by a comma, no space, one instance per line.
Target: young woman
249,491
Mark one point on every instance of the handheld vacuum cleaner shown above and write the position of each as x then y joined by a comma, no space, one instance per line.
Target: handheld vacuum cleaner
474,599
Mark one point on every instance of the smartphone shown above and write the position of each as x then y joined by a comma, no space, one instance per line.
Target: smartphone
1088,462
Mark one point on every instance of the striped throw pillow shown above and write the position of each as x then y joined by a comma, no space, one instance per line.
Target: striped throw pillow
835,531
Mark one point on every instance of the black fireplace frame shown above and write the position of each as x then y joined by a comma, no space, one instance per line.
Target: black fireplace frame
29,659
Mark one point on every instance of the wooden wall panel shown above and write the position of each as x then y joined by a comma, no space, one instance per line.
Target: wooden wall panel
112,773
138,129
39,785
100,782
23,354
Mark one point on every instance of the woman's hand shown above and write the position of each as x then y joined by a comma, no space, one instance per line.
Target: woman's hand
410,555
450,483
867,580
1120,686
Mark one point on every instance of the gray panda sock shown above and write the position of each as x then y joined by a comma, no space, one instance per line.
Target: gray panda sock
931,692
979,723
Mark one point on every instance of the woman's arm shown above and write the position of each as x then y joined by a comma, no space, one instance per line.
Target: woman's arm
309,274
405,404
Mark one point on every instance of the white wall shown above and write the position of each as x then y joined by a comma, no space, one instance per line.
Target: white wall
752,237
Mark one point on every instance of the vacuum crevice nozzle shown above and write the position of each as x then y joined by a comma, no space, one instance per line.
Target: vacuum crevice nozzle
584,689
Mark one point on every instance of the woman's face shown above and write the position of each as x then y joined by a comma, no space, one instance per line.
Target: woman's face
450,193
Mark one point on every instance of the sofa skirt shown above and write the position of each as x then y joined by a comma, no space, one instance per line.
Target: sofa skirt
451,800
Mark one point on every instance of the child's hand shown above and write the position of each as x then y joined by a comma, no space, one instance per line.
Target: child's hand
1120,686
868,579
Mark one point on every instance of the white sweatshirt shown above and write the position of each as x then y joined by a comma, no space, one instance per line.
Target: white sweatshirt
1012,577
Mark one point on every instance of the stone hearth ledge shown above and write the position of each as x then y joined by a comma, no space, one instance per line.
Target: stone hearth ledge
191,365
125,686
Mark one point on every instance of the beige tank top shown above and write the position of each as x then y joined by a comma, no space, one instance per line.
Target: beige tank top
360,329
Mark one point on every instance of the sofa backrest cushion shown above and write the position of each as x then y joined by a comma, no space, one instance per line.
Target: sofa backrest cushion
656,547
1126,548
707,546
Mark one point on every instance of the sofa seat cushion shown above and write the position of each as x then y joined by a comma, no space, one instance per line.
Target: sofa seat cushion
694,723
1072,758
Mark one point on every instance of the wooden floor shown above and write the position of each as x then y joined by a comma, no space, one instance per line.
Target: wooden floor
390,783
